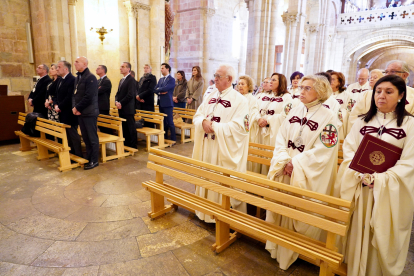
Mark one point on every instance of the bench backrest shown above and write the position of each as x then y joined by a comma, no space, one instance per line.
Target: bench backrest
152,117
325,212
48,127
259,153
340,153
112,122
185,112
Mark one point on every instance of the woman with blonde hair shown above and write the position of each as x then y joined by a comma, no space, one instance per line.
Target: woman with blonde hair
195,88
305,156
51,93
246,86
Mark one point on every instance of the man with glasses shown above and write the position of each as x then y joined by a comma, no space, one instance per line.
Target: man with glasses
38,94
222,132
356,89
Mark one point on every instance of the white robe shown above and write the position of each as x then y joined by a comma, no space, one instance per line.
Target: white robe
295,93
379,234
335,107
364,104
313,169
228,145
354,91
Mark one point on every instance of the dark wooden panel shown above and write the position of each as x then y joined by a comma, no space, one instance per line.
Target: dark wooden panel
10,106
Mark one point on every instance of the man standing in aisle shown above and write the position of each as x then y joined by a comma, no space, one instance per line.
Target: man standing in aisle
38,95
165,89
125,102
85,107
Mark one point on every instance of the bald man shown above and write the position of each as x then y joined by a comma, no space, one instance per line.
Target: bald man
85,107
356,90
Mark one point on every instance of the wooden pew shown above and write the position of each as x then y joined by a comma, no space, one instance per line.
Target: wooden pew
104,138
340,153
325,212
44,145
183,126
157,119
260,154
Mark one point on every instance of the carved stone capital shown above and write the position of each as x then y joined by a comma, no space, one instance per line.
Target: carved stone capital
289,18
140,6
72,2
209,11
243,25
130,9
312,28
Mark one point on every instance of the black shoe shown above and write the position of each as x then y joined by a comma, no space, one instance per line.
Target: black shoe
91,165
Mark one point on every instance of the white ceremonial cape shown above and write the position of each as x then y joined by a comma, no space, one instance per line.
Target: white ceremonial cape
228,145
295,93
364,104
379,234
254,127
209,89
355,90
314,167
332,104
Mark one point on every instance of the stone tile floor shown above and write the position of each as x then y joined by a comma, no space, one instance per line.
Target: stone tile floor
95,223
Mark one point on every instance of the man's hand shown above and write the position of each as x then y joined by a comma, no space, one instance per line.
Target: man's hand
175,99
57,108
30,102
262,122
75,111
163,93
118,105
47,104
138,98
208,126
288,168
189,100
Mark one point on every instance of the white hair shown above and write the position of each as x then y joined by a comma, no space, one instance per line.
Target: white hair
148,66
403,64
230,72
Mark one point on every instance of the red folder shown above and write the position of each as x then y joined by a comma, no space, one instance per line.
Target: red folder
375,155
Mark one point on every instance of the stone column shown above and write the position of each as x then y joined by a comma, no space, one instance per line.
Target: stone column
73,31
132,20
293,42
208,14
242,60
143,36
311,31
157,35
272,39
253,41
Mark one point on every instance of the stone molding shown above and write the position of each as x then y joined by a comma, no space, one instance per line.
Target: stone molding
133,7
140,6
209,11
72,2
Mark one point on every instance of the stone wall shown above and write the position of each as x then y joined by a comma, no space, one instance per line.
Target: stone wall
15,69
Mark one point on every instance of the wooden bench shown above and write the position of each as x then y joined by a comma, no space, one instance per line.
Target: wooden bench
260,154
115,123
183,126
157,119
340,153
44,145
325,212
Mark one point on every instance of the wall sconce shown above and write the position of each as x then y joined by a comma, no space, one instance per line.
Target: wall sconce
102,32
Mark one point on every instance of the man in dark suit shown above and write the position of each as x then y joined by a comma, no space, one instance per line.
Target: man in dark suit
145,91
85,107
38,95
63,105
165,89
125,102
104,93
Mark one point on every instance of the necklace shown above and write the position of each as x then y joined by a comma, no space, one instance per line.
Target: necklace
381,129
211,115
299,140
263,111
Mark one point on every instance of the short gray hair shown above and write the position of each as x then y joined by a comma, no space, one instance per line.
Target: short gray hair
230,72
46,68
148,66
66,64
377,71
321,86
403,64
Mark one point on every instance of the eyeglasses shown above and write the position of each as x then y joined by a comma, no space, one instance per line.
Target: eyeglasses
392,72
306,88
218,76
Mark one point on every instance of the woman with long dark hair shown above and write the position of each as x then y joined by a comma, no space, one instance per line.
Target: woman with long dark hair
194,94
180,90
379,236
293,89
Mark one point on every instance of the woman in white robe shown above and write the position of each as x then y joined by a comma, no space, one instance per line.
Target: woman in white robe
305,156
273,108
338,88
379,234
246,87
293,89
265,87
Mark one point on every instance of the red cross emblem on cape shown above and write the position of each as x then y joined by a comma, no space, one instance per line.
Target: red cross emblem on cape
329,136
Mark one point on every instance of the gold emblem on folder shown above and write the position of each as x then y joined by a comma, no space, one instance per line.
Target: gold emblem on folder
376,158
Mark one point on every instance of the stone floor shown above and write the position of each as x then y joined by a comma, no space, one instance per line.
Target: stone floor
95,223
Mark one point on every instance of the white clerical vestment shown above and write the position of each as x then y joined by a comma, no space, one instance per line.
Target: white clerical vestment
364,104
295,93
332,104
314,166
355,91
228,145
379,234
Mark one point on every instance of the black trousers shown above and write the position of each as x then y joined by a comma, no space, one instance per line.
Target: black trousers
74,140
90,136
105,129
168,122
129,131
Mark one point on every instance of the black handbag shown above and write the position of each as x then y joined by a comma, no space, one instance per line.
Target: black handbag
139,123
30,124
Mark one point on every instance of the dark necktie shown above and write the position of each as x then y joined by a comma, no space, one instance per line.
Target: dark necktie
99,81
122,81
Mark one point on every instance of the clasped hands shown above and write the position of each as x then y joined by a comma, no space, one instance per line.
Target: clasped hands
208,126
75,111
288,169
118,105
139,99
262,122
